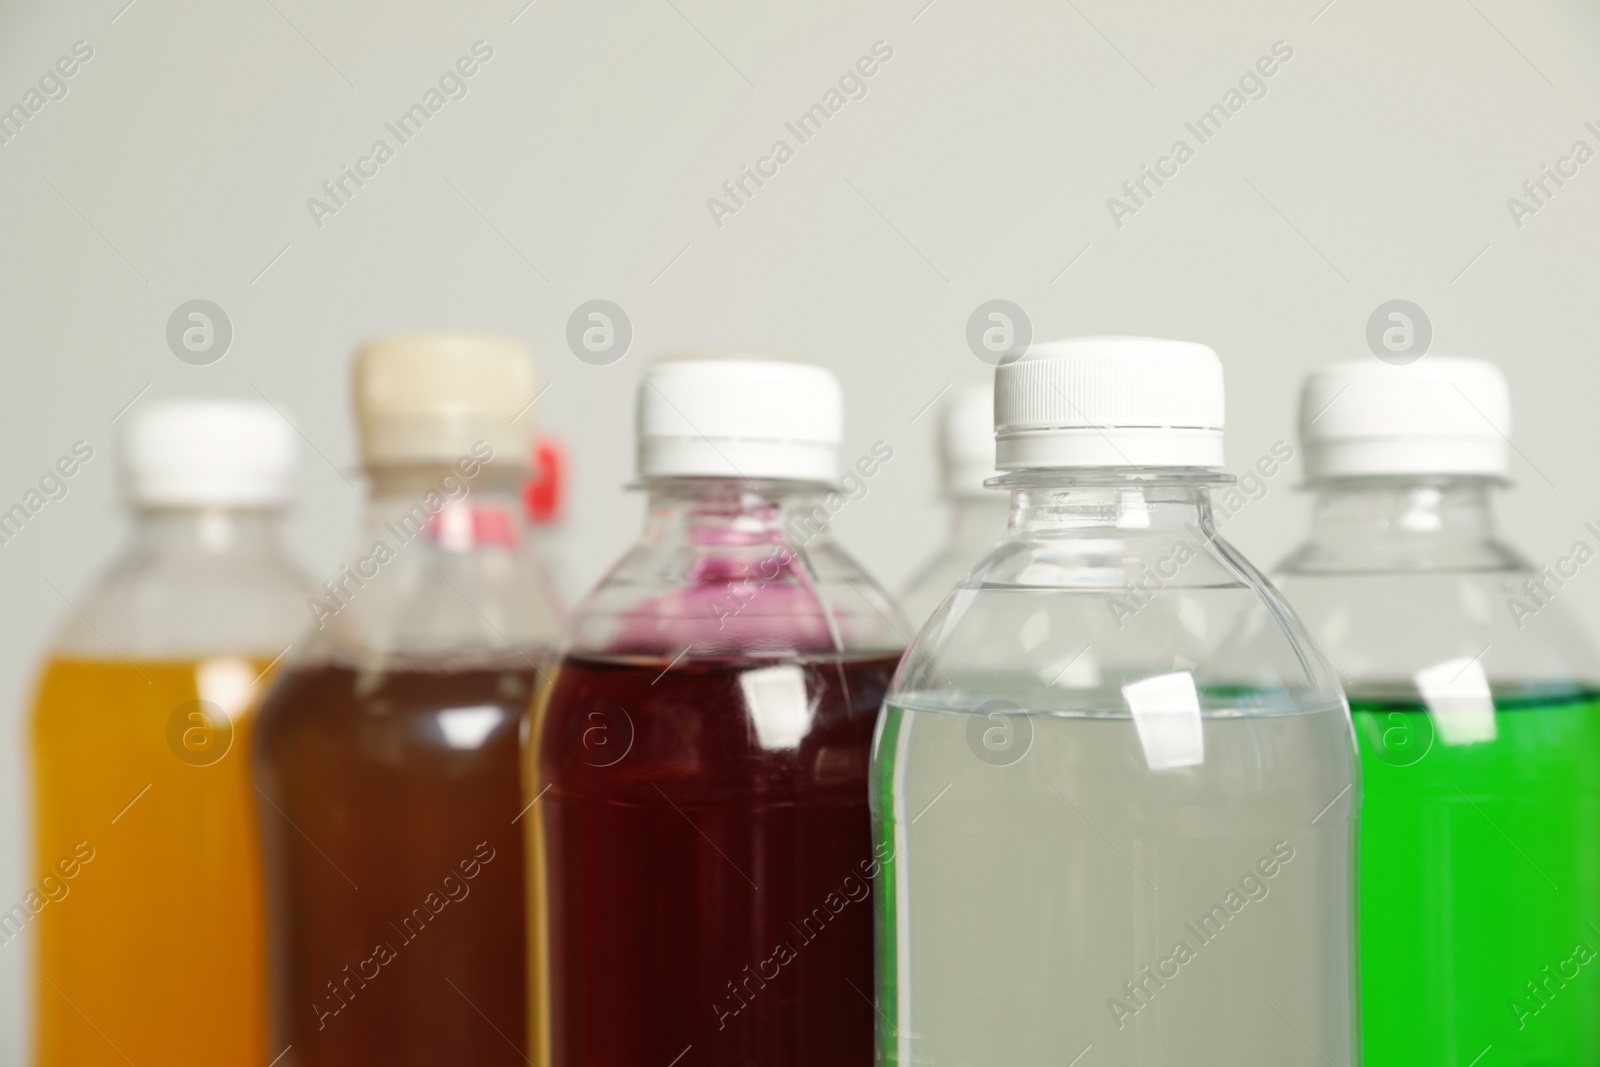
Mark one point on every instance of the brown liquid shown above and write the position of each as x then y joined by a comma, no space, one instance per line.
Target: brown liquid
394,871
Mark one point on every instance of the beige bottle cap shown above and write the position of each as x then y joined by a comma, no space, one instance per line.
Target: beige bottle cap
429,398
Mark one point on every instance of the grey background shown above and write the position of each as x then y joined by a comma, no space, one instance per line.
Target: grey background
578,167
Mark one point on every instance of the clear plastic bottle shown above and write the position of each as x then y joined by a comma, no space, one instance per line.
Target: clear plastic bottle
146,899
1476,700
977,513
700,846
387,760
1112,816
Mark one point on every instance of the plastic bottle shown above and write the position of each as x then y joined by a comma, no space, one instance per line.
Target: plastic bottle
1476,700
387,760
147,902
1112,818
700,843
977,514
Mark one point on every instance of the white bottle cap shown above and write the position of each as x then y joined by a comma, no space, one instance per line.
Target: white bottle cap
1110,402
1439,415
200,453
739,415
966,440
428,398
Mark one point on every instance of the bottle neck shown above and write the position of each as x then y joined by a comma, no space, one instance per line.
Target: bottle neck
711,512
1403,507
445,506
205,532
1411,522
1129,500
1397,509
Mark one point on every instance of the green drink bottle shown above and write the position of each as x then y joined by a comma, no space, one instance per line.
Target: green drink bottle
1477,714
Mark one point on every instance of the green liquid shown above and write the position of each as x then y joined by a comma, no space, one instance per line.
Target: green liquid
1480,884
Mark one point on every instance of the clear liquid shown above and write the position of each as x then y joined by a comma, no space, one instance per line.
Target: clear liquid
1055,895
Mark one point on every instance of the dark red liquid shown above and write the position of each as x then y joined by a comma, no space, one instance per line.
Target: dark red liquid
706,855
393,869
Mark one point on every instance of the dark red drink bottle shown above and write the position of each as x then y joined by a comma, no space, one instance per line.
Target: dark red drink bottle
700,847
387,755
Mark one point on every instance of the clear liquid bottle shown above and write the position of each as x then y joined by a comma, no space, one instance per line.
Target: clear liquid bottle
146,897
387,759
1118,826
1476,701
701,846
977,513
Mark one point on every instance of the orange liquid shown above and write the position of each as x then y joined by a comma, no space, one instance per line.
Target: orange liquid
146,900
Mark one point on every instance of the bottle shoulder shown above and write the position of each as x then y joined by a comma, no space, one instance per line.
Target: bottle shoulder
185,604
1071,623
927,588
421,601
1401,558
764,596
1509,629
